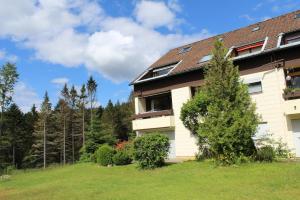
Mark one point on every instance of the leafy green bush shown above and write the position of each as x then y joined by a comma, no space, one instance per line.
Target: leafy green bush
121,158
204,153
150,150
265,153
104,155
84,155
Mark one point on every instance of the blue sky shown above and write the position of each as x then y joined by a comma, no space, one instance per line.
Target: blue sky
65,41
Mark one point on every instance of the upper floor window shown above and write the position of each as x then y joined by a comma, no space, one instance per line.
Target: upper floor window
248,49
157,72
293,77
162,71
254,87
291,38
205,58
159,102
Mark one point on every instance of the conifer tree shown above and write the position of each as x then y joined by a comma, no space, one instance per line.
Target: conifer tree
222,113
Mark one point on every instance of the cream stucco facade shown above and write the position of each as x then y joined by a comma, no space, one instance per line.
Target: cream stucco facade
276,113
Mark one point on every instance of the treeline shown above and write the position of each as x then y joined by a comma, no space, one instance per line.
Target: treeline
58,134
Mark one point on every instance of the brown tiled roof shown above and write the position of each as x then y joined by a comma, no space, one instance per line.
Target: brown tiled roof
270,28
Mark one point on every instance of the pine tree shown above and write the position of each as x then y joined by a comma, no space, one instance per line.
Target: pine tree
15,130
42,145
98,134
91,88
82,105
222,114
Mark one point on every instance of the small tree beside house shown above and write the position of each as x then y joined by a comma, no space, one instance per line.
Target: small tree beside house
222,114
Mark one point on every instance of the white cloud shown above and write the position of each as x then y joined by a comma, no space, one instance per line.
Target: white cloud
8,57
118,48
153,14
24,96
247,17
60,81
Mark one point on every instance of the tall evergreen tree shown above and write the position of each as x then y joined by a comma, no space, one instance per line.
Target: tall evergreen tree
222,114
82,105
91,88
15,130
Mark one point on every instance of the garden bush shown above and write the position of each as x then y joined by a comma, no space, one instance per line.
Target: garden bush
84,155
265,153
104,155
150,150
121,158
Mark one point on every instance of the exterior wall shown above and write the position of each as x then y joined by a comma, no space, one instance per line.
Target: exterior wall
185,142
271,106
270,103
139,105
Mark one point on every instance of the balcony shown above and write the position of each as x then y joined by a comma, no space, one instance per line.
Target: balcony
153,120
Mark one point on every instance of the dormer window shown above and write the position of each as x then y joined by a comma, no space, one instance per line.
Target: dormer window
248,49
162,71
157,72
205,58
185,49
255,29
290,38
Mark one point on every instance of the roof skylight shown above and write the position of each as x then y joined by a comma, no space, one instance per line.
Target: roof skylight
255,29
185,49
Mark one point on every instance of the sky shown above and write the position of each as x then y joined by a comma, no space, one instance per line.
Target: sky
53,42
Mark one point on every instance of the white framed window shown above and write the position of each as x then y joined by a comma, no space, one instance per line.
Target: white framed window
254,87
205,58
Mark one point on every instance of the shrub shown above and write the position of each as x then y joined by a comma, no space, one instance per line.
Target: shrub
204,153
84,155
150,150
121,158
104,155
265,153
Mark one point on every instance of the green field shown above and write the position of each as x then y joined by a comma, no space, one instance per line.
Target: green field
189,180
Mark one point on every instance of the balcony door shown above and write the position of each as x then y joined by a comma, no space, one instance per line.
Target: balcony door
296,133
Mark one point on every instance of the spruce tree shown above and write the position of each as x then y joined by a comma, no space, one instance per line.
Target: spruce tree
222,113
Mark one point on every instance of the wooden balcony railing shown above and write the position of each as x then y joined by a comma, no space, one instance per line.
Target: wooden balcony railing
153,114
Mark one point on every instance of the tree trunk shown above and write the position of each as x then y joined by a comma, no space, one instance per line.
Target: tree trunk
1,123
14,155
72,134
91,111
64,153
83,134
44,144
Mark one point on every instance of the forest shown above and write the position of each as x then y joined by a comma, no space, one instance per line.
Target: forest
59,133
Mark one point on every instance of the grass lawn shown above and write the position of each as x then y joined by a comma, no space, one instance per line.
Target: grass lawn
189,180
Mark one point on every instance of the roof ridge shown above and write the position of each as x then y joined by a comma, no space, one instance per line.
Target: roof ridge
215,36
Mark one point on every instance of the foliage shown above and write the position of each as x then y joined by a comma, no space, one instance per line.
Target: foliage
265,153
84,155
104,155
121,158
204,153
150,150
280,148
267,181
222,114
59,132
99,134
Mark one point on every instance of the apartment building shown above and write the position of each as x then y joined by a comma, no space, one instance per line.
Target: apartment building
268,56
